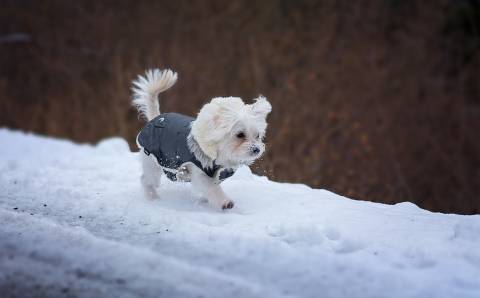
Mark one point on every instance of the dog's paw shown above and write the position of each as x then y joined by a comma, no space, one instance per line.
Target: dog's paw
150,193
228,205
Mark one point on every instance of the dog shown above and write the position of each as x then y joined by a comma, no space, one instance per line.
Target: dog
206,150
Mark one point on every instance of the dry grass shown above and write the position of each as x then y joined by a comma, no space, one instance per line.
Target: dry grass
376,100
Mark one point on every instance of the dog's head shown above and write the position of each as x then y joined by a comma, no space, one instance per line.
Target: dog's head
230,131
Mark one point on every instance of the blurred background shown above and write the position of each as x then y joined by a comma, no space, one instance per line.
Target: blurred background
374,100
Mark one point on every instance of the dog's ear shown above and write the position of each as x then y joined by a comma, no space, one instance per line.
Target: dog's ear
223,114
214,122
261,106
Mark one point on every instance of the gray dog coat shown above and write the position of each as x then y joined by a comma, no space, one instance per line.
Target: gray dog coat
165,137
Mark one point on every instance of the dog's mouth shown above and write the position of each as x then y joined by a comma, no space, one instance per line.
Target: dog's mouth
250,160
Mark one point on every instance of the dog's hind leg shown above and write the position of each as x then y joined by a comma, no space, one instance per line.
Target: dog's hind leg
151,176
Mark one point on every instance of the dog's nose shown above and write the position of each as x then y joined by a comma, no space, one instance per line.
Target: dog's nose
255,150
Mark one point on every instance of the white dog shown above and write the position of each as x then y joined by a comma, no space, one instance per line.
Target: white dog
226,134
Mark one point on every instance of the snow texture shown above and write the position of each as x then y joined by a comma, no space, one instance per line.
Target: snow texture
74,223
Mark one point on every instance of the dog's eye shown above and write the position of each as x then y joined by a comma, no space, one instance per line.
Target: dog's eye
240,135
258,136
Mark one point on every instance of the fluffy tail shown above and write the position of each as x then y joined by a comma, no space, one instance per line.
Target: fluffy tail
147,88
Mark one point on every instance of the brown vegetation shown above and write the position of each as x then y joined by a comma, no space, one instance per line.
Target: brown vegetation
376,100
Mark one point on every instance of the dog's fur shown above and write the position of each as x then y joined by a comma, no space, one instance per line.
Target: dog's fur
226,131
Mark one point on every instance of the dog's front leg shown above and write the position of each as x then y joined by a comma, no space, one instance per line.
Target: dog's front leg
210,190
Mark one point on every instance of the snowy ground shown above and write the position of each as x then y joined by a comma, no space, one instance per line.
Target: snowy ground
74,223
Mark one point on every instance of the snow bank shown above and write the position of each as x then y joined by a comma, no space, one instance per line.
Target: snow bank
73,222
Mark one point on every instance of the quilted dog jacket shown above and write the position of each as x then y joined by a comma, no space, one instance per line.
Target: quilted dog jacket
165,137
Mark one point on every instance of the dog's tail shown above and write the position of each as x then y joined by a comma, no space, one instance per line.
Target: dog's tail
147,88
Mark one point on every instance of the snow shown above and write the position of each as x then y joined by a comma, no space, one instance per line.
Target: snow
74,223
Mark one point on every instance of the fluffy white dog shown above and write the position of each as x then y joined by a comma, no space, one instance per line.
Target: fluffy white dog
226,134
